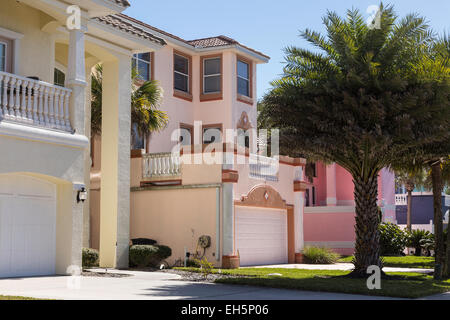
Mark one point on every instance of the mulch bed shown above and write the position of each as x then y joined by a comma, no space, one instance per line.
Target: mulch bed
198,277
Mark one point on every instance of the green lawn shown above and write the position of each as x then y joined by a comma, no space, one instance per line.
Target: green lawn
411,285
403,262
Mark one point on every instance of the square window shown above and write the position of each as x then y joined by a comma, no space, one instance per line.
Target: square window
212,135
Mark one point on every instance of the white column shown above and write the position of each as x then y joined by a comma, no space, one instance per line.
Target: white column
115,163
76,79
228,219
299,204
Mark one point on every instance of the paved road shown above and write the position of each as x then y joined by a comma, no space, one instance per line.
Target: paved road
156,286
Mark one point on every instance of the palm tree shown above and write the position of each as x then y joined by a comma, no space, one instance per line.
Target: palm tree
146,97
359,102
411,178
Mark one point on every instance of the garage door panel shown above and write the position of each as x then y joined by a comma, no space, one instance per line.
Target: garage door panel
261,235
27,227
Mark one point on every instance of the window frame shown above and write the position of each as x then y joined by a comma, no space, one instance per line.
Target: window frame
179,93
212,126
56,68
6,55
240,97
211,95
151,64
190,128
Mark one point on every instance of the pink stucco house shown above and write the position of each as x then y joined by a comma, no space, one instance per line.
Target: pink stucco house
329,213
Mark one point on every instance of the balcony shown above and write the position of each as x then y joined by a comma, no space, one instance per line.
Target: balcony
401,199
161,166
33,102
263,168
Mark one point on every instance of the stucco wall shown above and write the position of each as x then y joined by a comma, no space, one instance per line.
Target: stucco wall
36,54
330,229
176,218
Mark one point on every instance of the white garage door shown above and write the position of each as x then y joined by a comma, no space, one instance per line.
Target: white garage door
261,236
27,226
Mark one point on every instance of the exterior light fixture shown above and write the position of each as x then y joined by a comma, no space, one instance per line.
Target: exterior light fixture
82,195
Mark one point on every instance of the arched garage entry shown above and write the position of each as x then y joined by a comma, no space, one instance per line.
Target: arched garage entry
264,228
27,226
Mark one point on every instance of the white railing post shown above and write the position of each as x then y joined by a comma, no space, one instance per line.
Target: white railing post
160,165
34,102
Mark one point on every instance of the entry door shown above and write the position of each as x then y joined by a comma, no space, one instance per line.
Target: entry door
27,226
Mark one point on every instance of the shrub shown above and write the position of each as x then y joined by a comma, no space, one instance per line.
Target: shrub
419,239
90,257
206,267
148,255
143,241
192,263
393,240
315,255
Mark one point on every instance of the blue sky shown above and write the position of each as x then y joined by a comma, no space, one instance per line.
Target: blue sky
266,25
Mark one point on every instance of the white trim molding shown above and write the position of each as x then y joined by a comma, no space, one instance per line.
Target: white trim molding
15,37
330,209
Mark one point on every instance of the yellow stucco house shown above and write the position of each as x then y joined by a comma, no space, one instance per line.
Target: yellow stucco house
47,51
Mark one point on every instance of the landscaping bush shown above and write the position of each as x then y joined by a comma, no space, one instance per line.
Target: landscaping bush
143,241
314,255
148,255
90,257
393,240
420,239
192,263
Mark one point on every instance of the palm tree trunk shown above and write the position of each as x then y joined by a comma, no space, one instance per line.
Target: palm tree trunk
147,143
367,245
408,211
447,254
436,176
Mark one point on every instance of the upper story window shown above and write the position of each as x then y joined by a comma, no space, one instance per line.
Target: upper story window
142,64
59,78
2,56
211,78
243,78
181,71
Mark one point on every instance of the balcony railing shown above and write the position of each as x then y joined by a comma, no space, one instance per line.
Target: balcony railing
264,168
33,102
401,199
161,165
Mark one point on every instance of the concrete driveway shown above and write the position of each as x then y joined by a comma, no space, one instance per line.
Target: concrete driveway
151,286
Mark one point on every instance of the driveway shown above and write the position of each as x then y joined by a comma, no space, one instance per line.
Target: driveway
151,286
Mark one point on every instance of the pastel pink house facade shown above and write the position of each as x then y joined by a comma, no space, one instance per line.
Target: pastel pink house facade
329,213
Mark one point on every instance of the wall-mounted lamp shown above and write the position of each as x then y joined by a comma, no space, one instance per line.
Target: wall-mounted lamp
82,195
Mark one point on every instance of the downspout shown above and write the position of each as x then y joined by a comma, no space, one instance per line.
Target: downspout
218,224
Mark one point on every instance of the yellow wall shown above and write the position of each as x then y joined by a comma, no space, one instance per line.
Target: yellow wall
176,218
36,57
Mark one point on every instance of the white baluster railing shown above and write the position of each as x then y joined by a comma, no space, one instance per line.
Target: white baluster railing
160,165
401,199
264,168
34,102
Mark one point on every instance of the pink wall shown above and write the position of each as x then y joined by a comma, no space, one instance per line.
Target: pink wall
344,185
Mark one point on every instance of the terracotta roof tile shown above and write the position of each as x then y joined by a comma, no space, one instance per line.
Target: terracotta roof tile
210,42
123,3
117,22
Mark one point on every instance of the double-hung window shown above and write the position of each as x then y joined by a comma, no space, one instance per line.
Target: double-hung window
211,73
243,78
142,65
181,73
